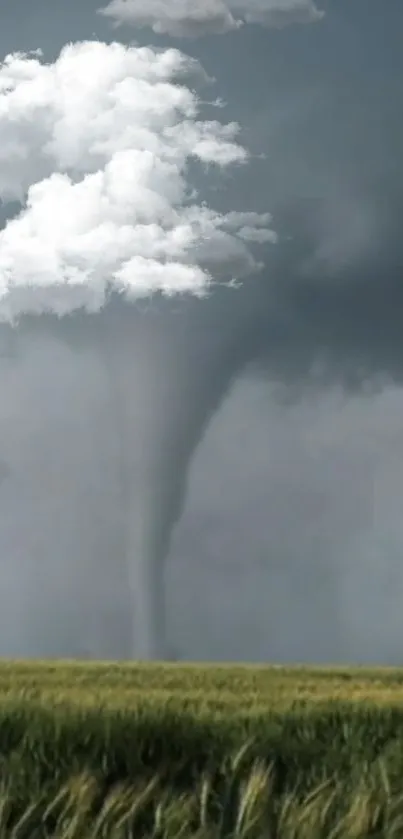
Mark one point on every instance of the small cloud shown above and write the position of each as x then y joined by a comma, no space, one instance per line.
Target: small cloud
194,18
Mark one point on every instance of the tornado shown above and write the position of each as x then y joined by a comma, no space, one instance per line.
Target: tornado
146,383
138,387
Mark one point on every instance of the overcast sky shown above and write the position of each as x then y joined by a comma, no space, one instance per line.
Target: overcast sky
290,543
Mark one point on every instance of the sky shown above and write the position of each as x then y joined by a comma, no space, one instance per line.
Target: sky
274,406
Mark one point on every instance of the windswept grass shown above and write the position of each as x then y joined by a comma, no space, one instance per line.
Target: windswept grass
246,807
116,750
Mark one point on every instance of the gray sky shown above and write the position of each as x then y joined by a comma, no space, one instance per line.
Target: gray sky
290,543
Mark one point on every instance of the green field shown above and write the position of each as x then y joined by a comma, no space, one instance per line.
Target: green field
200,688
119,750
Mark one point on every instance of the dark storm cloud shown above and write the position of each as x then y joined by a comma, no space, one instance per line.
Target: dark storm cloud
324,103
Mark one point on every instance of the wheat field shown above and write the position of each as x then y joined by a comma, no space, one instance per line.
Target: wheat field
128,750
201,688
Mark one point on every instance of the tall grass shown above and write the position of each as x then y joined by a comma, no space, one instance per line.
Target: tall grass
247,808
119,751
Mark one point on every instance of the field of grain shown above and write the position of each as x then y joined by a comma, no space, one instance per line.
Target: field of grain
206,689
119,750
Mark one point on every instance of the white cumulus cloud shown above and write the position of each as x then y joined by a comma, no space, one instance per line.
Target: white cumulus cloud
95,147
193,18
